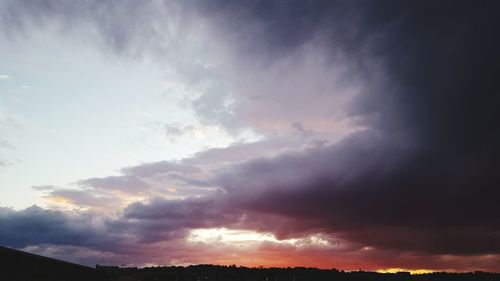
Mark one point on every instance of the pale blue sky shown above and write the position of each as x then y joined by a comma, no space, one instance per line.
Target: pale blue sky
81,112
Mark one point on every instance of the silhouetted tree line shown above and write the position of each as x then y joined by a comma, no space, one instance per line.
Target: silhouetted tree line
234,273
21,266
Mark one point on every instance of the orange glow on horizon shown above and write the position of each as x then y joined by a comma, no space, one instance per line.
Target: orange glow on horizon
251,248
411,271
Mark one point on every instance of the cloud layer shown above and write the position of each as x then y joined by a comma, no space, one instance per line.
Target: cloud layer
376,124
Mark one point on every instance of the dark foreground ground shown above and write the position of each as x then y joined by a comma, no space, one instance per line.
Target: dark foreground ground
233,273
21,266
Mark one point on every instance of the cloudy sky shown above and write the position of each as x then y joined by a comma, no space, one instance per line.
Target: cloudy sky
346,134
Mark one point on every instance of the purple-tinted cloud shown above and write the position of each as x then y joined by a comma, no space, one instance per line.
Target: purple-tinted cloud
125,184
158,168
377,125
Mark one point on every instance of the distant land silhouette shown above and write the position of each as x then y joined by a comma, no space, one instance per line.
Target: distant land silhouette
17,265
22,266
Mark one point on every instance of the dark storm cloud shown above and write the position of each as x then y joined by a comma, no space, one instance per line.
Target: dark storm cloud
431,172
179,215
439,56
274,27
35,225
369,193
420,176
364,189
82,237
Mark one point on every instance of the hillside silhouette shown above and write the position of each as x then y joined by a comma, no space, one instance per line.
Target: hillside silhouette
22,266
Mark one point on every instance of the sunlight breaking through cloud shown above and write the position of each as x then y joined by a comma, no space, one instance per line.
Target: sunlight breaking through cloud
239,237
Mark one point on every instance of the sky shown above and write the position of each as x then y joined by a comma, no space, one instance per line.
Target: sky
333,134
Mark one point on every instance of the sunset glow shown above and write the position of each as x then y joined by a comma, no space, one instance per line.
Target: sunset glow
357,135
411,271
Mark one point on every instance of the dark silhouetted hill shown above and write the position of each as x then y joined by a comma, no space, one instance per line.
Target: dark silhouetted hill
21,266
234,273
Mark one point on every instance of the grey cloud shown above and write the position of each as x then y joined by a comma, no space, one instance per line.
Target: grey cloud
310,85
83,198
161,219
125,184
409,88
169,209
313,84
10,123
369,189
127,27
174,130
433,113
295,168
369,192
44,187
6,144
243,151
77,254
189,182
83,237
163,167
35,225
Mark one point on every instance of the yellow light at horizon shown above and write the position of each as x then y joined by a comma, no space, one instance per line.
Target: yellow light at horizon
411,271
